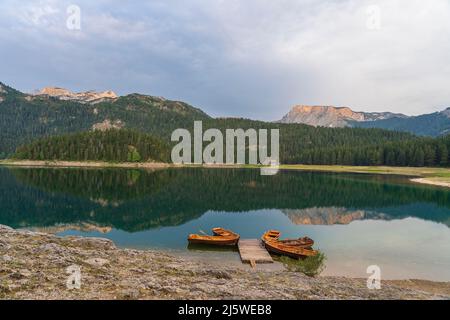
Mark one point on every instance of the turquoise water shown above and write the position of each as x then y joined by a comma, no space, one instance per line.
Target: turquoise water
357,220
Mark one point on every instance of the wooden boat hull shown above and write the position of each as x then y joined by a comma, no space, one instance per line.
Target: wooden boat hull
221,237
304,242
296,253
215,242
298,248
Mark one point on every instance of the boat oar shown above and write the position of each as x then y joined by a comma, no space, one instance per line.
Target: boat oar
203,232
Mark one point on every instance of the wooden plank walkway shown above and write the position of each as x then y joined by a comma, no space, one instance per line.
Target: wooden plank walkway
252,251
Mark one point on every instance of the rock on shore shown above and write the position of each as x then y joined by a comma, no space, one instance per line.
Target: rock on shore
33,266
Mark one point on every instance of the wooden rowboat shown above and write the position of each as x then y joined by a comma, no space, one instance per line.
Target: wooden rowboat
221,237
272,244
304,242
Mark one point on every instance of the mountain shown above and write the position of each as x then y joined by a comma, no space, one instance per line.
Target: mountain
25,117
433,124
334,117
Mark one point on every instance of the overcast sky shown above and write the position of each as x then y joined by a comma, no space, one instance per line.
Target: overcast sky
250,58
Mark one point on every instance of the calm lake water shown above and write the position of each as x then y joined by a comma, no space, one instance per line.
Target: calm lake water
357,220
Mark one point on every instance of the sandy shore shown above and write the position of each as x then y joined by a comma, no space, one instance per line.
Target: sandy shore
34,266
431,182
102,164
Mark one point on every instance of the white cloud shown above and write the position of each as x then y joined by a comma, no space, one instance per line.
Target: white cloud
253,58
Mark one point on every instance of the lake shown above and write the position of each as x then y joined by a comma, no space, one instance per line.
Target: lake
357,220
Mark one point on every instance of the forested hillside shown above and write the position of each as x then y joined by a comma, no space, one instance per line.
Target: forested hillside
111,145
25,118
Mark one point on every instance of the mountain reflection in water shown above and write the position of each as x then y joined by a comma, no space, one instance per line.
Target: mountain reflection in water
136,200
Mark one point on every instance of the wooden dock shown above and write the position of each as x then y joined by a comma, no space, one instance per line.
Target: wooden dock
253,251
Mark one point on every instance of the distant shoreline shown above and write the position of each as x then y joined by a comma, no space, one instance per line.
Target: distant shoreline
439,177
83,164
421,175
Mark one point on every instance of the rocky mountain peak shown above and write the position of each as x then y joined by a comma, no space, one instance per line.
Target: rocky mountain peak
330,116
90,97
324,116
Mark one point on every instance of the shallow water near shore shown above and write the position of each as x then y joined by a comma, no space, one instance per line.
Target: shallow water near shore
356,219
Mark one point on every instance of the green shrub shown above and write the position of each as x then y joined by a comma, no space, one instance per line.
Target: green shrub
311,266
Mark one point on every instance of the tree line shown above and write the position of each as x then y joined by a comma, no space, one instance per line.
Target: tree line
416,152
111,145
301,144
346,147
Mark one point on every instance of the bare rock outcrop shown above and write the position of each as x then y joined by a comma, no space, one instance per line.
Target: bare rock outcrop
108,125
330,116
90,97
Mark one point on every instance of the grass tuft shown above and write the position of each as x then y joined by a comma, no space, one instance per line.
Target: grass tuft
310,266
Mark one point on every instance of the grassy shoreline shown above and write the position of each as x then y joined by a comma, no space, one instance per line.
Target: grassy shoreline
423,175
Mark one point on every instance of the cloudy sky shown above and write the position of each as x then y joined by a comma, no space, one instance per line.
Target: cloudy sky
251,58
